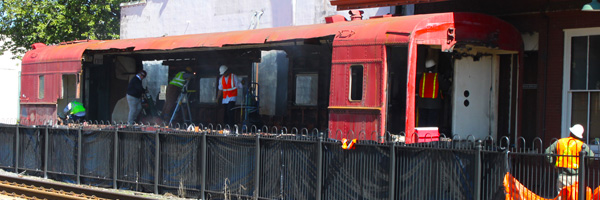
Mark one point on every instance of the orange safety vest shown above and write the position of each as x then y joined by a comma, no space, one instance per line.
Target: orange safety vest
429,86
568,150
229,89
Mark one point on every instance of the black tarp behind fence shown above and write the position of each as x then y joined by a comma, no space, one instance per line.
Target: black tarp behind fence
214,165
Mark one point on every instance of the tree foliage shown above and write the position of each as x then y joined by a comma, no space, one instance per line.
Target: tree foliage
26,22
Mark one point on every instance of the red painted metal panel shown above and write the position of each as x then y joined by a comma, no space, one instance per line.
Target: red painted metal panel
34,114
354,124
457,28
392,30
356,42
445,30
364,116
51,62
375,31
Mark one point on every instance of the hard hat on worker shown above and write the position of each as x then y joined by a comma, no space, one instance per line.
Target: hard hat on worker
222,69
429,63
189,69
577,130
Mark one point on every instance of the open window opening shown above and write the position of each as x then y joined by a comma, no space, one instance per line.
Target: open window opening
69,90
307,89
284,84
397,69
356,82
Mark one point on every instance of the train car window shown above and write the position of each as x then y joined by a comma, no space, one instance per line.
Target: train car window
69,86
356,82
306,89
158,74
41,87
208,90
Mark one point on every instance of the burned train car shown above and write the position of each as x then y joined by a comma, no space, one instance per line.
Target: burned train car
366,76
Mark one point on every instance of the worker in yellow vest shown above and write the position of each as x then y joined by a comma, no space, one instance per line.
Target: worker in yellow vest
429,102
567,156
173,91
75,111
229,86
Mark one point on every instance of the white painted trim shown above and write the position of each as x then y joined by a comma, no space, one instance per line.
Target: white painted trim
494,95
566,98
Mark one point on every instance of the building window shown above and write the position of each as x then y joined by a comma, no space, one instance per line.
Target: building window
307,89
41,87
581,95
208,90
356,82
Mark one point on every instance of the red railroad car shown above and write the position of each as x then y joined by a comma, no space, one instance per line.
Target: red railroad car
359,76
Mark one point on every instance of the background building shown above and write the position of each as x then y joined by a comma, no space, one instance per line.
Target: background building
10,74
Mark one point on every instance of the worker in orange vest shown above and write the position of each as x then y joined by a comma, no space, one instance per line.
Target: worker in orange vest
567,156
229,86
429,101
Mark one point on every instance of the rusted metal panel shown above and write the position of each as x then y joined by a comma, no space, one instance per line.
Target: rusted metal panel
432,29
33,114
354,124
366,115
50,62
390,30
445,30
373,31
356,42
355,4
449,30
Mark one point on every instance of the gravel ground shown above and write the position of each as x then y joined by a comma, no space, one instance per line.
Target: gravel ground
149,195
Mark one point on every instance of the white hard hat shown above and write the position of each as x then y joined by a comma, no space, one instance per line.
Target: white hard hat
429,63
577,130
222,69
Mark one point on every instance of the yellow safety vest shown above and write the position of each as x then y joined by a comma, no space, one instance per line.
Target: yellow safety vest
76,107
178,80
568,150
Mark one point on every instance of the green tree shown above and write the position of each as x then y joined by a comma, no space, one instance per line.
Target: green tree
27,22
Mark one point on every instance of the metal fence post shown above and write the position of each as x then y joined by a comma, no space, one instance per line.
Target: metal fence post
319,167
204,153
17,147
116,157
79,140
156,161
392,169
46,152
477,183
257,168
581,173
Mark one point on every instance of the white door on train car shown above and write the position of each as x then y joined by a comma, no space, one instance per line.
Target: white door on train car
474,110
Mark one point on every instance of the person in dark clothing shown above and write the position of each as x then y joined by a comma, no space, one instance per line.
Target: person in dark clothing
134,96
